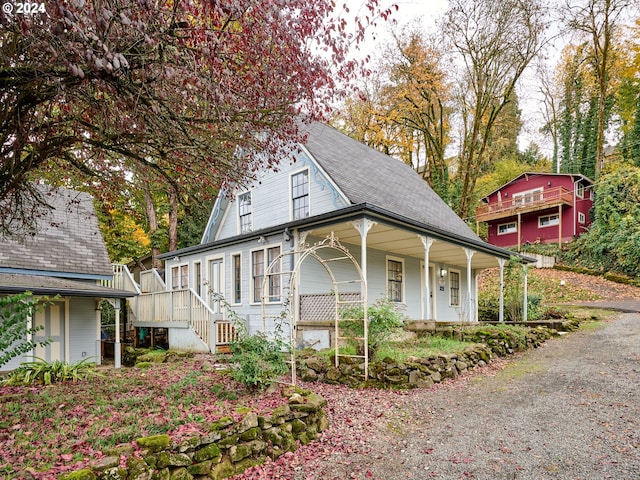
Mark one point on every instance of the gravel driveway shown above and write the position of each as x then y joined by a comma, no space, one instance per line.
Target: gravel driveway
568,410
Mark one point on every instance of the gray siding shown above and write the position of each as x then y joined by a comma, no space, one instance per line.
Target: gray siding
271,198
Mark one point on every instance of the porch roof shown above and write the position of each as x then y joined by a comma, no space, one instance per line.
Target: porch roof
12,283
393,233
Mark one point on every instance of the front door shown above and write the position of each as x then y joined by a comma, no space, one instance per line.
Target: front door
216,283
52,320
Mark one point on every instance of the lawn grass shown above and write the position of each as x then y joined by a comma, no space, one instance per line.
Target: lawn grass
50,426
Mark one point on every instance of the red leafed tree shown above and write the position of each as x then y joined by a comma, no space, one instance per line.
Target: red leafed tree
193,92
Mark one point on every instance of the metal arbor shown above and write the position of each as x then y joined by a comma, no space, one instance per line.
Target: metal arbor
290,313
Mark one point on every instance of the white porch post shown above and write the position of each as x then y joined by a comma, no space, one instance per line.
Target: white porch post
426,242
98,353
117,360
470,302
524,302
501,262
363,226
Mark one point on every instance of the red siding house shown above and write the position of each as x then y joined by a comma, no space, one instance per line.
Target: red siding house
537,208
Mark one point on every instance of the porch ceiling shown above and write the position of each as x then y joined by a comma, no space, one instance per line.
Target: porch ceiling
403,242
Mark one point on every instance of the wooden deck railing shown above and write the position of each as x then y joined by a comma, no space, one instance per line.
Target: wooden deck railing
550,197
151,281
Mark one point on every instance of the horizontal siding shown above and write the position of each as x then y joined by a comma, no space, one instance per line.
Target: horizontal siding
271,198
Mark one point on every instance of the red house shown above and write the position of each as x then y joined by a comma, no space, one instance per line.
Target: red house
537,208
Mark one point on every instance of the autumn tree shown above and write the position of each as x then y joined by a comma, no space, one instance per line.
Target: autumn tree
599,21
628,97
402,109
493,42
198,93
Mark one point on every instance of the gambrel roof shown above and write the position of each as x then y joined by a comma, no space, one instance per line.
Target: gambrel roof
68,242
367,176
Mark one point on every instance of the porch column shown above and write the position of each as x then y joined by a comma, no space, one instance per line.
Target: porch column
363,226
519,229
98,353
501,262
470,302
426,242
525,302
560,225
116,347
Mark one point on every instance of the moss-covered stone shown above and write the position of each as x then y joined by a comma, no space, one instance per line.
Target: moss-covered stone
277,416
222,470
138,468
170,459
105,463
221,423
84,474
298,426
238,452
241,466
189,444
154,443
152,357
210,452
202,468
114,473
164,474
144,365
251,434
229,441
303,438
314,403
180,474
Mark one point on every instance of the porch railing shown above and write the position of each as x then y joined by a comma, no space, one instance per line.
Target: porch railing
177,306
151,281
122,279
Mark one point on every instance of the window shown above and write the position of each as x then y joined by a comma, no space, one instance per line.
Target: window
197,278
258,268
548,220
274,280
236,276
454,289
300,194
394,280
582,218
580,190
505,228
180,277
245,212
527,197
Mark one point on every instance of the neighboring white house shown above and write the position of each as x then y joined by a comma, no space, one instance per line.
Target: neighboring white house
67,257
338,221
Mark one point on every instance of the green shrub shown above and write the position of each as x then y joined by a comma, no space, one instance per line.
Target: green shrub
42,372
384,319
256,360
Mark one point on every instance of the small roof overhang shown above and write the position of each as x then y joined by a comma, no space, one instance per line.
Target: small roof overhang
13,283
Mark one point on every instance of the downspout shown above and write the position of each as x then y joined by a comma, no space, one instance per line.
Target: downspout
526,295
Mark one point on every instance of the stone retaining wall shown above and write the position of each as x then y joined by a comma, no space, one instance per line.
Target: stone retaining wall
423,372
228,449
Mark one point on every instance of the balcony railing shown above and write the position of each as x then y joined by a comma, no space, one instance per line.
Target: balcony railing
549,197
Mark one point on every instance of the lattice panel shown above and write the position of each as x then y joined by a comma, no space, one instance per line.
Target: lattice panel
320,307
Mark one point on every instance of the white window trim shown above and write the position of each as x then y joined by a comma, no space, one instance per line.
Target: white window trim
404,276
580,188
459,287
515,228
232,277
195,280
238,195
523,194
582,218
291,175
265,249
549,217
179,267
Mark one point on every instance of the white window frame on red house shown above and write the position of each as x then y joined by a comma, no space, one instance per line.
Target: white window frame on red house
512,227
529,196
582,218
551,221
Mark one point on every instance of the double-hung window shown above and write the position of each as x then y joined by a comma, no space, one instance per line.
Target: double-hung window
548,220
505,228
180,277
236,276
454,289
300,194
245,212
260,261
394,280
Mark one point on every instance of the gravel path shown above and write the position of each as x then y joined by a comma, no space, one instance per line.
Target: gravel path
568,410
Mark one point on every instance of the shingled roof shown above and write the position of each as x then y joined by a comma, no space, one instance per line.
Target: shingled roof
367,176
68,242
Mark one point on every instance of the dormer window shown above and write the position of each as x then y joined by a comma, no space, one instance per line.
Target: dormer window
300,194
245,212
